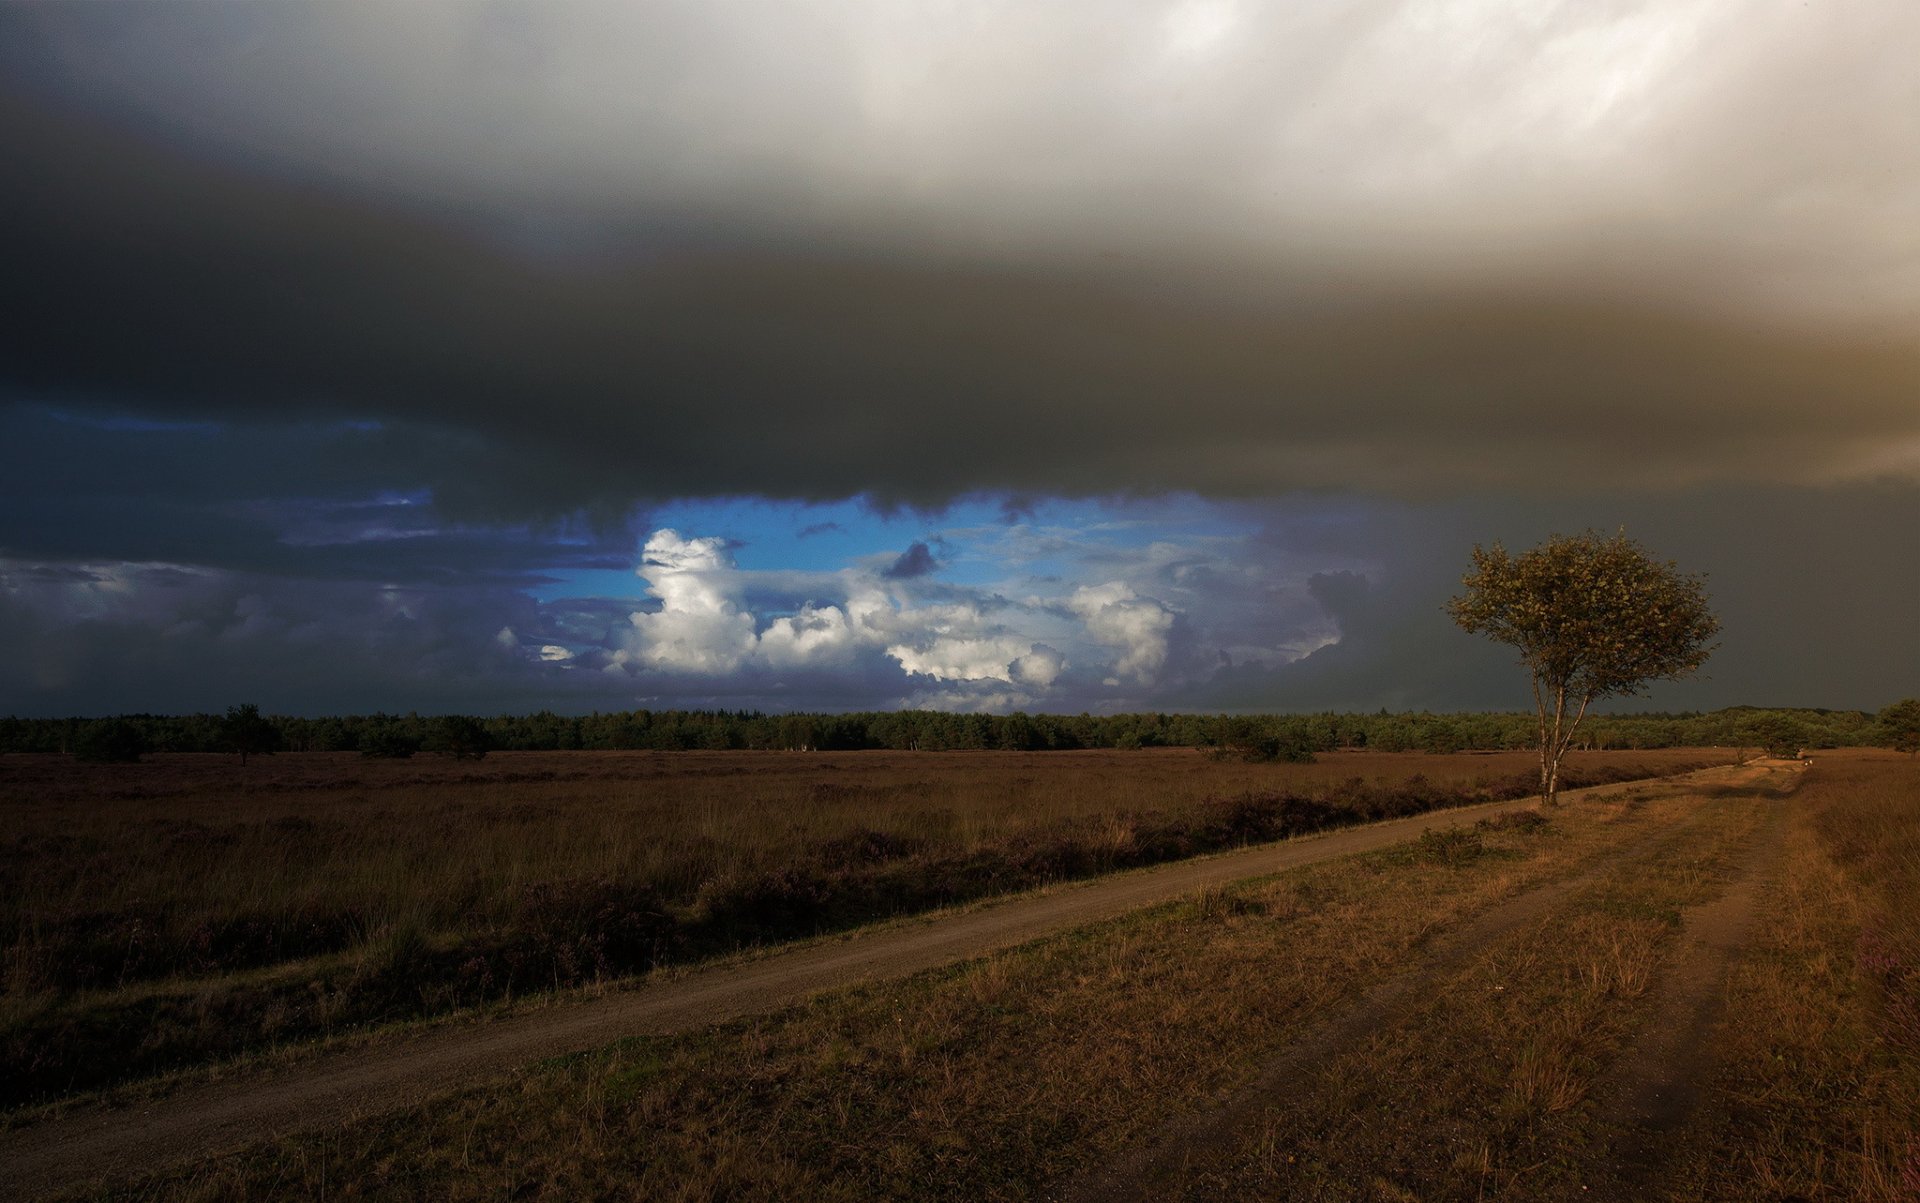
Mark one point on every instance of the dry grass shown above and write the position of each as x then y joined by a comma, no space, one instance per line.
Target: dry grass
993,1079
156,914
1820,1097
1002,1078
1485,1089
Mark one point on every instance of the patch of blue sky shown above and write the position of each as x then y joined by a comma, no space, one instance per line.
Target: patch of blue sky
978,541
577,583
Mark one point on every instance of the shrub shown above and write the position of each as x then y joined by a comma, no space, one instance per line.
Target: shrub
460,737
110,741
1450,846
388,743
1525,821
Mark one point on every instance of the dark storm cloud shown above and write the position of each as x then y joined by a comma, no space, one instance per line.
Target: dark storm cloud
306,303
307,499
116,638
810,338
915,561
1816,591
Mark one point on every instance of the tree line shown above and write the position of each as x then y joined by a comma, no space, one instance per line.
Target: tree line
1262,737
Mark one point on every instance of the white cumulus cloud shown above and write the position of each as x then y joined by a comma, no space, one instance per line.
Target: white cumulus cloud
1138,626
700,626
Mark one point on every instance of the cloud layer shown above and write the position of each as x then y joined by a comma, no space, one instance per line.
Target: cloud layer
351,350
805,251
1292,604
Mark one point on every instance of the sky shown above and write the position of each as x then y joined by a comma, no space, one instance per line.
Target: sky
856,355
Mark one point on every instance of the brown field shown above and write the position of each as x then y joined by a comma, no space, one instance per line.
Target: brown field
1453,1019
1479,1013
160,914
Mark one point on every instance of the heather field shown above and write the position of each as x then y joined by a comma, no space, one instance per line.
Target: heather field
189,908
1472,1014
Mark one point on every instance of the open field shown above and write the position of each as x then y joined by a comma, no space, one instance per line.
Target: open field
1660,991
162,914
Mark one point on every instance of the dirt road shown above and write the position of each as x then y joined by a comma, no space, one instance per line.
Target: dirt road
1170,1156
89,1146
1656,1086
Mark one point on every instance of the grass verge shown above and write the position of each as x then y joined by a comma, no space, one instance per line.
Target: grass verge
1821,1098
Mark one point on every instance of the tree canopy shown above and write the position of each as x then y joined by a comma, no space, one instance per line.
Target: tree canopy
246,731
1900,725
1593,617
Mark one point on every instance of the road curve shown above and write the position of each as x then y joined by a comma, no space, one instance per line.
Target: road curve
92,1146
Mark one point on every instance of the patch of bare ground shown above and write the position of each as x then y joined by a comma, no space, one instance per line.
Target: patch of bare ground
982,1081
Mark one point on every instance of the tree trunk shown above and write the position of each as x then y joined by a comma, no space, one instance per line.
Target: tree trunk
1555,737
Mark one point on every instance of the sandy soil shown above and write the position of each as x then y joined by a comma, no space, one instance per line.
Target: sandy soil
86,1146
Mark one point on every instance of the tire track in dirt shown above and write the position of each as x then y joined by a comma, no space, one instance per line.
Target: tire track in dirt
1199,1139
1657,1084
94,1145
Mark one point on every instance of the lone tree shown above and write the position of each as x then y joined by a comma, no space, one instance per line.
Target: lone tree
243,730
1593,617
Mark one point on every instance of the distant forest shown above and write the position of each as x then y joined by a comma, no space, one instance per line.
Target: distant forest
1277,736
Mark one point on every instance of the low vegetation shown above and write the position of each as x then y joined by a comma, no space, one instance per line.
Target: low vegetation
1010,1077
1822,1100
165,913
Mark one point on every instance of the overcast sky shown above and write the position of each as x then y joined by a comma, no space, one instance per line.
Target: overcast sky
845,355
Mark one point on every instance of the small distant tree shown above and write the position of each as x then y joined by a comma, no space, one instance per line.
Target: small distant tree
1900,726
245,731
110,741
460,737
1593,617
389,741
1777,734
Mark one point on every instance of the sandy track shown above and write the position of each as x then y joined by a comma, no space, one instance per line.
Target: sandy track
1656,1086
93,1146
1173,1153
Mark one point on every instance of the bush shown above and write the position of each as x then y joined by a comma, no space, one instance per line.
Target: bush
388,743
110,741
1450,846
460,737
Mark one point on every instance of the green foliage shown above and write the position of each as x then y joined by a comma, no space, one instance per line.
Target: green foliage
110,741
245,731
1900,726
1776,734
673,730
460,737
1262,740
1597,617
1593,617
389,742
